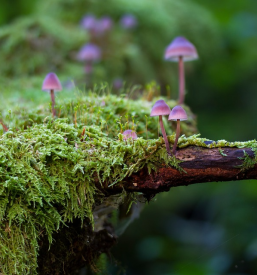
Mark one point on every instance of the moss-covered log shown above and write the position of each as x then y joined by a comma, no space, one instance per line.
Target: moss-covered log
57,178
75,245
199,165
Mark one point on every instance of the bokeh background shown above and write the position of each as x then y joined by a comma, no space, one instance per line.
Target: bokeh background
200,229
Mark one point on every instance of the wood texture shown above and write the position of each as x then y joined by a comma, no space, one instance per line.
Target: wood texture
199,165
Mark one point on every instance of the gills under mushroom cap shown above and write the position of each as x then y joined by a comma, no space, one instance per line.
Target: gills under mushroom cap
178,113
51,82
180,46
160,108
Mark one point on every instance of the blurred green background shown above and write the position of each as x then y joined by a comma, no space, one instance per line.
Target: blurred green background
200,229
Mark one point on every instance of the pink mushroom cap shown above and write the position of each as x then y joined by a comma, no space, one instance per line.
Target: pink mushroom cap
106,23
160,108
128,21
129,134
178,113
88,22
51,82
89,52
180,46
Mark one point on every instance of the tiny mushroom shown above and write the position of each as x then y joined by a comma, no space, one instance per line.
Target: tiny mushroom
177,114
129,134
89,54
128,21
106,23
181,50
88,22
52,83
160,108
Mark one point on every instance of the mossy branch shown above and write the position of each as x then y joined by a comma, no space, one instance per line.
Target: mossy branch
199,165
55,175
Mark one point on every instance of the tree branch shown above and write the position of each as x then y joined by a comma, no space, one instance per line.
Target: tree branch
199,164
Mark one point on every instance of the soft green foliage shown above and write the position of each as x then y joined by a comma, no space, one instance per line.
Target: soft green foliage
51,37
34,44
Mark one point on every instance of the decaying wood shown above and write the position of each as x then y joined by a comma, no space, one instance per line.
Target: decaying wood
199,165
76,246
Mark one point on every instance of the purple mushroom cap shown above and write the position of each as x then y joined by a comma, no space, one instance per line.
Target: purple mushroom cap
106,23
178,113
102,25
117,83
129,134
160,108
88,22
51,82
128,21
89,52
180,46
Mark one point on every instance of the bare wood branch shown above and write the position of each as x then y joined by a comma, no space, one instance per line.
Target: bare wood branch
199,165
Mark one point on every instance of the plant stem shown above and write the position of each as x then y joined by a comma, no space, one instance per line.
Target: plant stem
181,80
53,102
3,125
177,136
164,136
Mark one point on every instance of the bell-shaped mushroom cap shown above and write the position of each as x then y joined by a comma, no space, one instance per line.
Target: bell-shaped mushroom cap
106,23
128,21
51,82
88,22
89,52
178,113
180,46
160,108
129,134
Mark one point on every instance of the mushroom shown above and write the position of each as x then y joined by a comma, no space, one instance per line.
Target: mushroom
160,108
128,21
52,83
181,50
89,54
129,134
177,114
88,22
105,23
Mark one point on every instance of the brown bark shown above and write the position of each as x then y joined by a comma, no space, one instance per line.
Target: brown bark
199,165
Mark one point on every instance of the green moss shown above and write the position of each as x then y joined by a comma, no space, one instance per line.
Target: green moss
49,167
222,153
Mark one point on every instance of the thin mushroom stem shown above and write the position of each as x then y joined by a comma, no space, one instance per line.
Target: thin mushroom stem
89,72
53,102
164,136
181,80
177,136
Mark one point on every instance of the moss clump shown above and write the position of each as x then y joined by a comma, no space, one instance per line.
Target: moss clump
48,174
111,113
49,168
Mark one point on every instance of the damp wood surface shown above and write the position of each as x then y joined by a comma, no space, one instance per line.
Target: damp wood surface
199,165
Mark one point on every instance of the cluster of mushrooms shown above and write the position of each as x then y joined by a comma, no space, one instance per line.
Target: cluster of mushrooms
179,50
